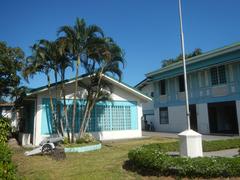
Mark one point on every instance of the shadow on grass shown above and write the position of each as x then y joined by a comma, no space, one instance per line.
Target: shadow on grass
129,166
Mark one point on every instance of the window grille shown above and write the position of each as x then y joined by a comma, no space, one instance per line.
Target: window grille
163,114
218,75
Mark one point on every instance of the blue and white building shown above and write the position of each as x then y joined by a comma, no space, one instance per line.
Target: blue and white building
119,118
214,93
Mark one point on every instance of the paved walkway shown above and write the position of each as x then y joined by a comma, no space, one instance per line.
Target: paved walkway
222,153
174,135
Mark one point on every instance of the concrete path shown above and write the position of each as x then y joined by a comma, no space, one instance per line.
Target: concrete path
222,153
174,135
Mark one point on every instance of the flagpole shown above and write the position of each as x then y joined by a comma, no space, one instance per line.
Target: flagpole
184,66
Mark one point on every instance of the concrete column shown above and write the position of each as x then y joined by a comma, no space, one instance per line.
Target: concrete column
37,122
190,144
202,118
238,114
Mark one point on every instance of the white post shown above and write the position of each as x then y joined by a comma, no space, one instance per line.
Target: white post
190,141
184,66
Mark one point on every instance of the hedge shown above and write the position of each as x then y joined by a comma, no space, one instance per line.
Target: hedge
7,168
5,129
151,159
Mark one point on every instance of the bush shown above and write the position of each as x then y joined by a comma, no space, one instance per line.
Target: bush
152,159
7,168
87,138
5,129
65,140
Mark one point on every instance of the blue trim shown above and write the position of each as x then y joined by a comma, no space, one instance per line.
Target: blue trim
194,66
97,122
199,101
148,112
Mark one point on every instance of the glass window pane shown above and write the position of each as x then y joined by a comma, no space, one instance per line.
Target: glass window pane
214,76
181,83
163,114
222,75
163,87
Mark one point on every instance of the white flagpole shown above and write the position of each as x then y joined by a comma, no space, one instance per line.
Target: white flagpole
184,66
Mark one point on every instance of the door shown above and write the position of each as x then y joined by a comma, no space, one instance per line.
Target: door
193,117
223,117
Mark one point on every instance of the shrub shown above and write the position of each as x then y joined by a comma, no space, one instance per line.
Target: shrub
152,159
87,138
65,140
5,129
7,168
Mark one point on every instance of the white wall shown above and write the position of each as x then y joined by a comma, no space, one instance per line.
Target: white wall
202,118
177,120
147,89
238,114
119,94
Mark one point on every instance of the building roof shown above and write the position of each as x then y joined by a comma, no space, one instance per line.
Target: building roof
108,78
202,57
4,104
142,83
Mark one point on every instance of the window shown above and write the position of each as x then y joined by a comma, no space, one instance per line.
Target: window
181,83
152,94
163,114
218,75
162,87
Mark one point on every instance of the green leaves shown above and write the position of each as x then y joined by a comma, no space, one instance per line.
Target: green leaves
11,61
152,160
5,129
7,168
167,62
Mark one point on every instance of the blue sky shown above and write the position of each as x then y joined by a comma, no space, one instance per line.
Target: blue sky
148,31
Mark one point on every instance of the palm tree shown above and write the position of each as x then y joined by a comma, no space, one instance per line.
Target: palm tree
54,52
64,63
79,37
108,56
41,61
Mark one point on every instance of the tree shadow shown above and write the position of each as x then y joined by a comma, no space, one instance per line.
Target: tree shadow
128,165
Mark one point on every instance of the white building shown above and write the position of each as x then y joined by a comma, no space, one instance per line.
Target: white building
214,93
116,119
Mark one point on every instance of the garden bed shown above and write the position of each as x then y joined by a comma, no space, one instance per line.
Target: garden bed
82,147
152,160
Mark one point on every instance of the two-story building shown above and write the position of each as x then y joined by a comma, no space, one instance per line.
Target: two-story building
214,93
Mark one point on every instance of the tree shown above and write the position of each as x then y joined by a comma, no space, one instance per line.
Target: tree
41,61
79,38
11,60
167,62
105,59
64,63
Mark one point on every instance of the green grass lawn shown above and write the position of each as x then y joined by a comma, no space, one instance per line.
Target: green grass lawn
102,164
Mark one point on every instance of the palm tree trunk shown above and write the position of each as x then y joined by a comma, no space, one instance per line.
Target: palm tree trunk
74,99
89,106
51,104
57,104
65,106
88,117
86,109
